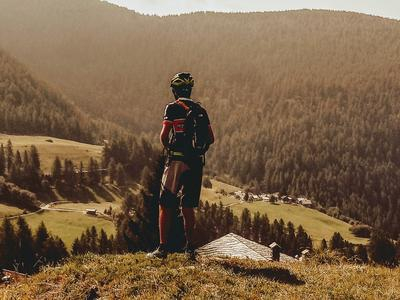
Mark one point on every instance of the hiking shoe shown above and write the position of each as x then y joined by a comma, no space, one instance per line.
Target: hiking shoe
160,252
190,252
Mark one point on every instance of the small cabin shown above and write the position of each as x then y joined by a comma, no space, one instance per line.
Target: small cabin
91,211
305,254
276,251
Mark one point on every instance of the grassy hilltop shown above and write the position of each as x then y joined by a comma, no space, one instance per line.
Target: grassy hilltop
133,276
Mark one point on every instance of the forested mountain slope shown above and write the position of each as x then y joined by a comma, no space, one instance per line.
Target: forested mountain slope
29,106
302,102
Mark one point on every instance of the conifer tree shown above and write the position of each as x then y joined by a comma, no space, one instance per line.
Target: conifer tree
25,247
76,247
2,160
336,242
34,158
93,237
381,249
104,245
256,227
10,155
324,245
40,239
93,172
8,244
18,160
245,223
265,238
362,253
56,170
121,176
81,176
112,170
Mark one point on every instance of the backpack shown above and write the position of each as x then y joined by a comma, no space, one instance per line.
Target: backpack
197,136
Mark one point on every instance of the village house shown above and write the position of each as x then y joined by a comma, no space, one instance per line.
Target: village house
305,202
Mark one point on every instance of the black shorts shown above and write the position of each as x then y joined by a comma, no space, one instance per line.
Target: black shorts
181,184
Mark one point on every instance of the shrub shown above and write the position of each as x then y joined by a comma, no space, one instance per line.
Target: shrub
207,183
363,231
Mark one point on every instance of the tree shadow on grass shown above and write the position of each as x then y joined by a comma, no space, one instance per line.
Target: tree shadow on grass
102,192
79,195
278,274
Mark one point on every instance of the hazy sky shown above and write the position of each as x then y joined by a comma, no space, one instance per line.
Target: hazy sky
386,8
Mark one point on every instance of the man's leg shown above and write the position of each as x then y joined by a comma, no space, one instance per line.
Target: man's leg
189,220
164,223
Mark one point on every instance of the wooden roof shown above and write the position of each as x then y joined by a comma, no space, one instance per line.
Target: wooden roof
233,245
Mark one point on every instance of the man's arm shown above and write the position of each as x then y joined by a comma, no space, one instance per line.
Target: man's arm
164,135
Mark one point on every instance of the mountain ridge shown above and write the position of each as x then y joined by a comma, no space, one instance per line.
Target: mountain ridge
302,102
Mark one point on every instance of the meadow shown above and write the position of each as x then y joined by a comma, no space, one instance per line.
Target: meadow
7,210
68,225
50,147
318,225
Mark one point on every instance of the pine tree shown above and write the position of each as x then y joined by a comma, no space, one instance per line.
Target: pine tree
256,228
25,247
81,177
76,247
112,170
362,253
104,245
93,172
323,245
336,242
93,237
69,174
10,155
2,160
121,176
56,170
265,238
40,239
245,223
381,249
34,158
8,244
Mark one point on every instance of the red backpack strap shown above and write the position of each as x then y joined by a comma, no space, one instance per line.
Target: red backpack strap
179,102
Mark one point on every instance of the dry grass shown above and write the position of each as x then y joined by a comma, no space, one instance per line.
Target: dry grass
134,276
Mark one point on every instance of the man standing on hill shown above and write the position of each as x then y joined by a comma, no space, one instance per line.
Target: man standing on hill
187,135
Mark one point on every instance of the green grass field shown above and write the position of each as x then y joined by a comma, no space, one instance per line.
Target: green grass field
317,224
57,147
6,210
68,225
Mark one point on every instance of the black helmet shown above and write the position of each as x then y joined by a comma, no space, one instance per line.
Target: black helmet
181,80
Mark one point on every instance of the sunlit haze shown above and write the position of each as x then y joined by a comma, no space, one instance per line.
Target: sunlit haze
385,8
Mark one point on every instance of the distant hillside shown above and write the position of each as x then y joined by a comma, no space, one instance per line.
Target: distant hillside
133,276
29,106
50,147
303,102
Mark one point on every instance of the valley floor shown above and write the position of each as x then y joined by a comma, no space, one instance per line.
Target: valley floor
318,225
133,276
